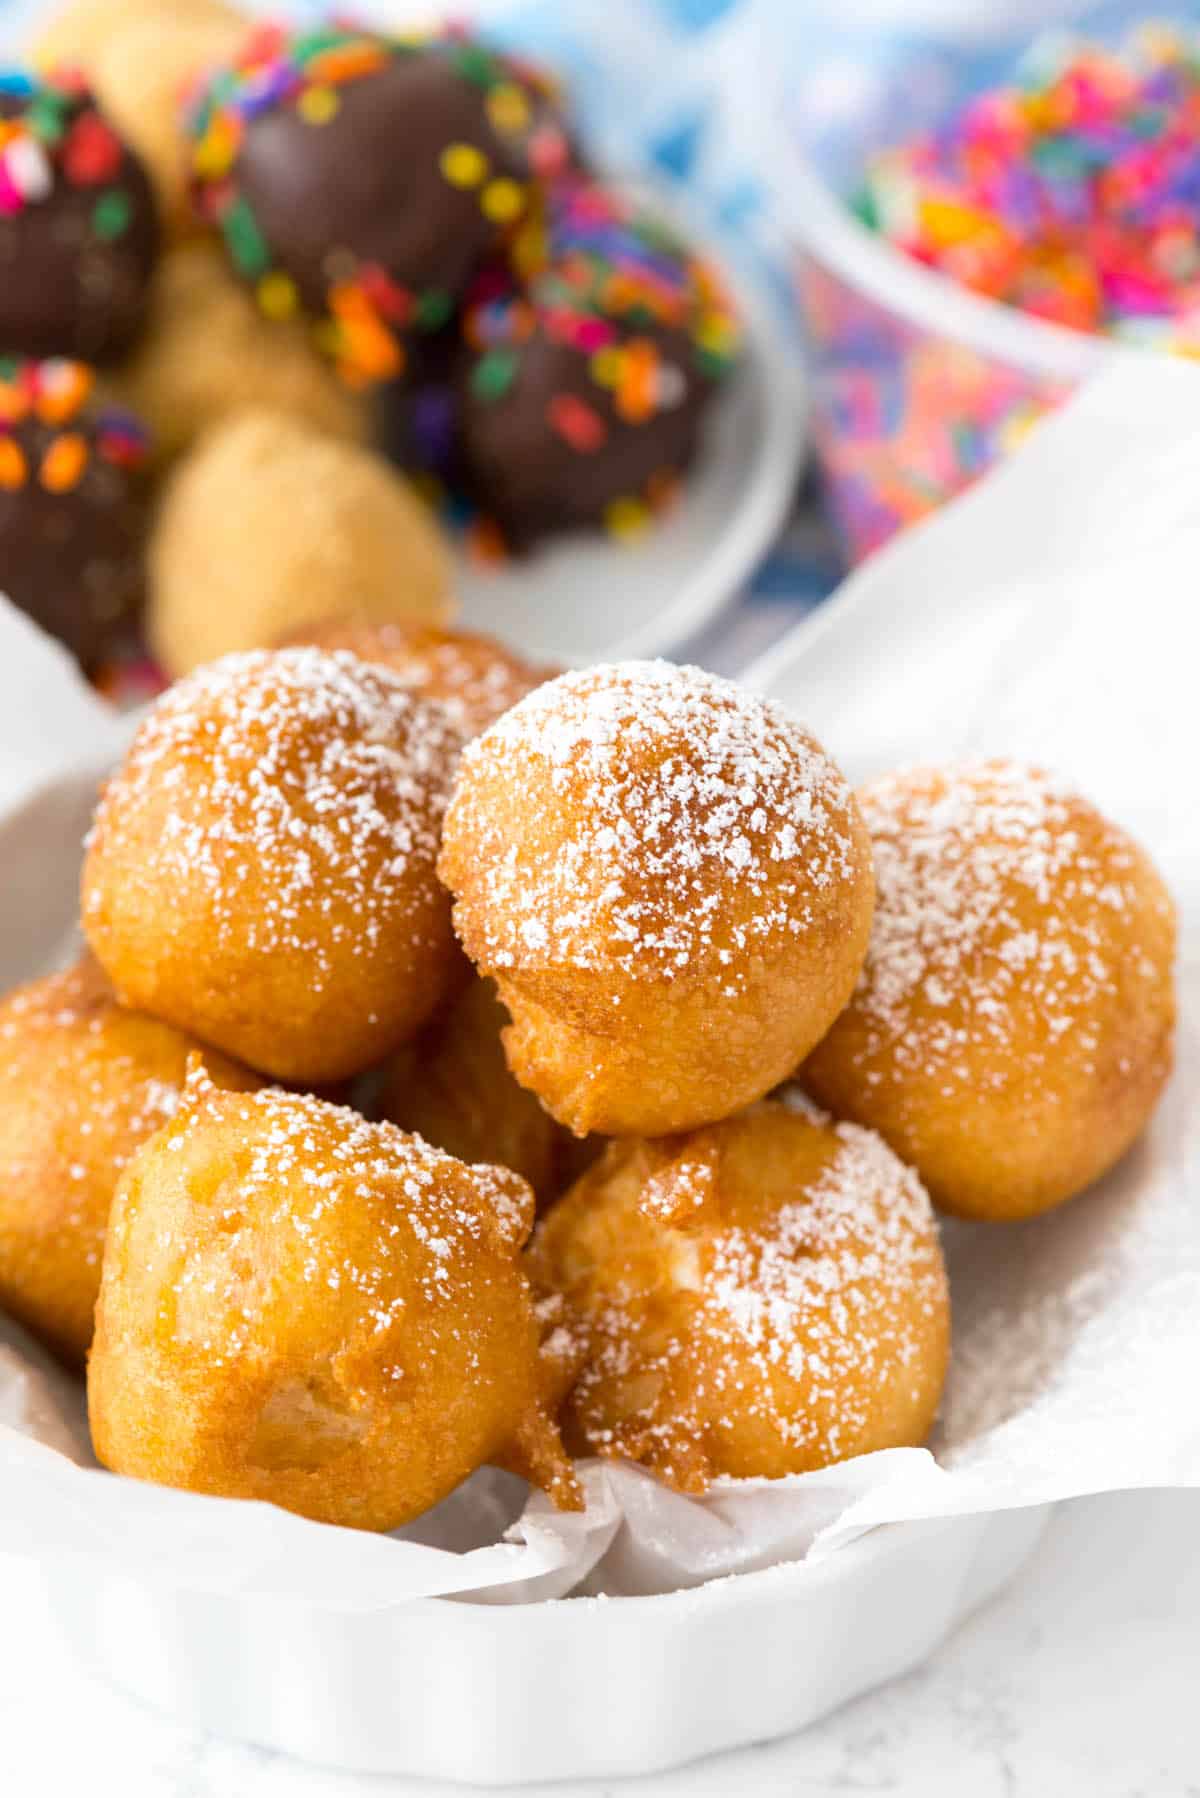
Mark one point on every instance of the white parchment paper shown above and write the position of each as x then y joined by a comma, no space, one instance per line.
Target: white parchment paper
1053,613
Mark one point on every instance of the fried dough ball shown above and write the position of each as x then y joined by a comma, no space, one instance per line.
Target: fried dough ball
83,1083
474,677
78,32
452,1086
141,75
1013,1026
671,885
208,352
261,869
302,1307
757,1298
268,526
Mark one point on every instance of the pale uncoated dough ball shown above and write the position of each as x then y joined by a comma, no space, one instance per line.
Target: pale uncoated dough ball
208,352
140,76
267,527
77,33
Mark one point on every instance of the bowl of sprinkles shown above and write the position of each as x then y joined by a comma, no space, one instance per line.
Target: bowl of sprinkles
980,224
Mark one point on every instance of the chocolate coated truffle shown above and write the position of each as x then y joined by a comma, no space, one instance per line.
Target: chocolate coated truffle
363,177
588,366
72,506
79,232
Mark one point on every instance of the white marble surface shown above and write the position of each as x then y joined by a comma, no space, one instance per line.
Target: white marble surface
1082,1681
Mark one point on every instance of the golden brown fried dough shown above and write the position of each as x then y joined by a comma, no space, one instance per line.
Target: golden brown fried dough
302,1307
208,353
261,870
757,1298
83,1083
452,1086
1013,1027
268,526
474,677
671,885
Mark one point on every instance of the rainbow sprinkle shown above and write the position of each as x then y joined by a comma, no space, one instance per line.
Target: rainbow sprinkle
56,394
50,131
590,267
1072,193
595,272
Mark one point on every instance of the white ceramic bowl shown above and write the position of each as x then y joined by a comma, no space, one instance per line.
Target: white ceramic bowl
580,1688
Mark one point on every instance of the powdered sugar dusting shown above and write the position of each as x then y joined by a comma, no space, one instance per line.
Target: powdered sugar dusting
696,820
474,678
360,1208
833,1291
474,690
986,892
106,1102
300,789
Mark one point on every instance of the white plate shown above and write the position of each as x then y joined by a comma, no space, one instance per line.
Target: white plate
586,598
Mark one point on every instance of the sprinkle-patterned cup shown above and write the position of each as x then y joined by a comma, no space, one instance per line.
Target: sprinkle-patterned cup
919,385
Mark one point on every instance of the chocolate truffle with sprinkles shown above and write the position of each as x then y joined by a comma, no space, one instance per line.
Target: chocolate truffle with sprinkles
363,177
261,869
79,230
73,507
670,883
1013,1026
304,1308
83,1083
758,1298
590,361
